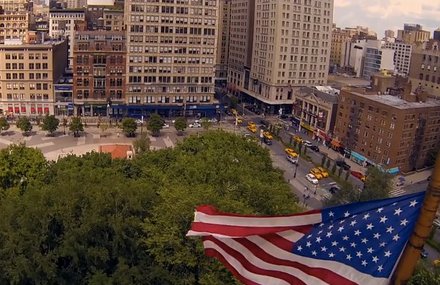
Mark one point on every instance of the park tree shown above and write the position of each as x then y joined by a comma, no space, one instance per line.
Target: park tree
233,102
4,124
50,124
155,124
129,127
104,126
141,144
180,124
378,184
24,124
76,126
20,165
425,275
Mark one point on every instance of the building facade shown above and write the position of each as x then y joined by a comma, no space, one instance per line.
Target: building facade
290,48
221,68
395,134
62,24
377,59
413,34
389,34
339,38
402,56
425,71
14,6
113,20
314,111
27,75
172,51
99,73
13,26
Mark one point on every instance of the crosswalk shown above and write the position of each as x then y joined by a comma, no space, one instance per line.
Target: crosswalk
397,191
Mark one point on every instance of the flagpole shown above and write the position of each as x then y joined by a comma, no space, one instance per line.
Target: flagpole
411,255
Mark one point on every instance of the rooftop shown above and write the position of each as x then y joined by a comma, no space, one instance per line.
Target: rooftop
117,150
399,103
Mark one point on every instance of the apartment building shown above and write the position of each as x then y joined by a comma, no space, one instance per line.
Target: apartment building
314,111
425,71
62,24
412,34
27,74
376,59
339,39
13,26
395,133
113,20
74,4
14,6
172,51
290,48
99,72
402,56
221,68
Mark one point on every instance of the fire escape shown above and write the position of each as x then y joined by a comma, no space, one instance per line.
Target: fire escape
352,137
418,140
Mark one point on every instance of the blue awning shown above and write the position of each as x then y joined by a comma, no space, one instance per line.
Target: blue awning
358,156
393,170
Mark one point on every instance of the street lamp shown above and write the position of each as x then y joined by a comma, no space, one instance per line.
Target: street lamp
296,168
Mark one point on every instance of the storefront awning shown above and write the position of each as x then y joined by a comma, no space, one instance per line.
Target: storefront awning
393,171
358,157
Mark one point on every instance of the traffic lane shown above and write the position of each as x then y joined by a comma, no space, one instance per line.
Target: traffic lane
415,187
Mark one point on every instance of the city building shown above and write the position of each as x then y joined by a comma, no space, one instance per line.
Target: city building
172,51
99,59
14,6
339,38
425,71
396,133
314,111
27,76
376,59
13,26
290,48
63,95
412,34
113,20
62,24
221,68
402,56
436,34
95,15
74,4
389,34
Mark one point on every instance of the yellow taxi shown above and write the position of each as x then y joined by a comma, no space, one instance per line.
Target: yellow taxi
252,127
316,172
324,172
298,139
239,120
290,151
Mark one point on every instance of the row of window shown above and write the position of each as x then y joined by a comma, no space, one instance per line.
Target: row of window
32,76
168,99
21,56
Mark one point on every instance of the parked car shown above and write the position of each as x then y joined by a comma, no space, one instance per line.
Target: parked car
316,173
324,172
358,175
195,125
312,179
314,148
334,189
165,126
307,143
292,158
343,164
290,151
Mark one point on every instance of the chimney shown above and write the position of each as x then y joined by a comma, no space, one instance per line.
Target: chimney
407,94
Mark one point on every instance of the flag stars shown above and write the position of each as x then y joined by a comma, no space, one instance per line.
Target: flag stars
382,244
299,248
308,244
342,249
335,243
375,259
353,244
379,210
376,235
340,229
397,212
330,227
404,222
370,250
314,253
413,203
364,262
331,255
323,249
357,233
390,230
396,237
359,254
383,219
366,216
329,234
331,214
347,214
353,223
320,232
348,257
318,239
380,268
345,237
364,240
387,253
370,226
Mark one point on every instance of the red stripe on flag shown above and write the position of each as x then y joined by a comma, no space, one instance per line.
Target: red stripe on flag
239,231
245,263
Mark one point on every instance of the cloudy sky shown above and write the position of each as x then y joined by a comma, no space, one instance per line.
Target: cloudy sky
381,15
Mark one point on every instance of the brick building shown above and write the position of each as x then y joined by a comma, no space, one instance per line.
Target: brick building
394,133
98,72
425,71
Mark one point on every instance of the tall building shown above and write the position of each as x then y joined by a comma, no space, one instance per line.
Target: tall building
221,69
436,34
425,71
74,4
377,59
27,74
14,6
412,34
389,34
402,56
172,50
14,20
99,72
290,48
395,133
113,20
339,38
62,23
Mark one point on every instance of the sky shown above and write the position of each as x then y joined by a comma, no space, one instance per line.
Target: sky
381,15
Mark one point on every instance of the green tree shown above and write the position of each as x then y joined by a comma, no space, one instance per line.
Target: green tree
104,127
129,127
4,124
19,164
206,124
180,124
76,126
50,124
378,184
141,144
233,102
24,124
155,124
425,275
324,157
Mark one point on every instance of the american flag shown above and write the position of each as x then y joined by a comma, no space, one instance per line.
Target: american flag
358,243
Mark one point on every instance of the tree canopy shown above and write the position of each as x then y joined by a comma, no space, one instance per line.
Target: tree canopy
24,124
95,220
4,124
180,125
155,124
50,124
76,126
129,127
